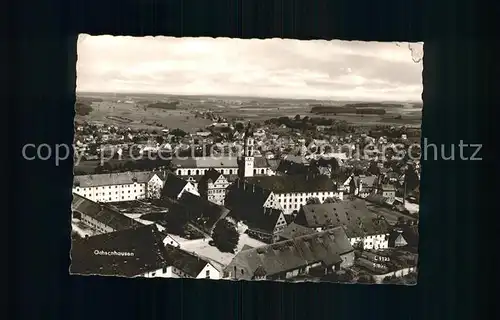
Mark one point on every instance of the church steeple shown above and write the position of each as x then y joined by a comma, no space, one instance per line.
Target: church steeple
246,160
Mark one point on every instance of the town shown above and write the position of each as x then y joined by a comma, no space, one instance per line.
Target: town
304,197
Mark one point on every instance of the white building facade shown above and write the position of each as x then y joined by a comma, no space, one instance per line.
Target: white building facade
116,187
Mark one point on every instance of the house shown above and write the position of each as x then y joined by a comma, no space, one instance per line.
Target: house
139,252
99,217
293,191
122,186
174,187
205,214
315,254
258,209
362,185
264,224
182,264
362,226
404,236
387,191
212,186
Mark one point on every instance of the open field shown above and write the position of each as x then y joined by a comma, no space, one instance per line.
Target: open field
130,111
130,115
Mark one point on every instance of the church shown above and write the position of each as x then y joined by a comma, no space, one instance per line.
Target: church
194,168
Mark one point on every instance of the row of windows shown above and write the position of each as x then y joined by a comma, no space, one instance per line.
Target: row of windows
198,172
110,187
305,194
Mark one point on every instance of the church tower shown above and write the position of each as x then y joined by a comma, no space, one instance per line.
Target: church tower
246,160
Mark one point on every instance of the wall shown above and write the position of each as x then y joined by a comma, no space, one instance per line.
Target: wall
398,273
113,193
212,272
166,272
97,226
293,201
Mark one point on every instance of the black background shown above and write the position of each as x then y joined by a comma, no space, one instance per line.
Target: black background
454,193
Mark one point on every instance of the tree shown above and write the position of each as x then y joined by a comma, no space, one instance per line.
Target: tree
330,200
225,236
160,139
239,127
373,168
178,132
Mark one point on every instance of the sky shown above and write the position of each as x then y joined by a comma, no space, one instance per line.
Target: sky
281,68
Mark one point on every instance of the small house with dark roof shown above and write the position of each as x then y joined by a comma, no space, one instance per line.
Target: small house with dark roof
404,236
174,187
362,185
362,226
257,208
205,214
121,186
213,186
264,224
100,217
387,191
315,254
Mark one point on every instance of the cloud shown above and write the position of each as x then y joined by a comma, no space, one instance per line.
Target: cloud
272,67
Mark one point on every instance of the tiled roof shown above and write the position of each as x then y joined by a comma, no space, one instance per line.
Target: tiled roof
325,247
106,179
184,261
244,195
102,213
211,174
144,246
203,212
260,219
172,186
294,183
294,230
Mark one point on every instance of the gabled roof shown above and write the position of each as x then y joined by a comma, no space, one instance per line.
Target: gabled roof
127,253
366,181
184,261
410,234
241,194
102,213
107,179
211,175
294,230
263,219
294,183
325,247
172,186
353,215
205,213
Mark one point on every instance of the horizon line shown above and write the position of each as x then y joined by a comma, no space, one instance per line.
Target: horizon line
250,97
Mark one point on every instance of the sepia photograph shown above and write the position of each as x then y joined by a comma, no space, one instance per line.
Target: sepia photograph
247,159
